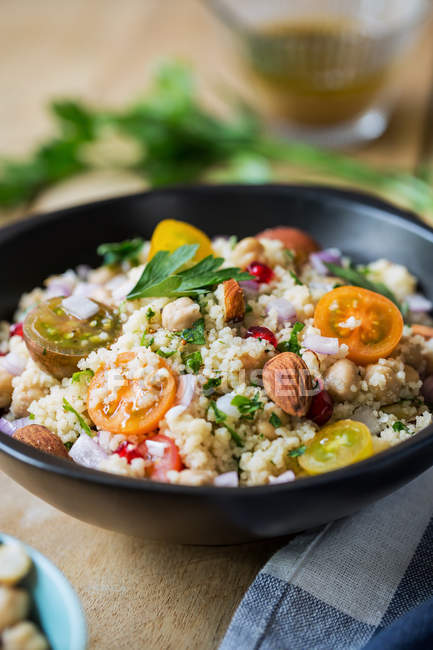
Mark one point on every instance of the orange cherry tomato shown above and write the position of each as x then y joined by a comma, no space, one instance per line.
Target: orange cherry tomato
169,234
162,464
138,405
367,322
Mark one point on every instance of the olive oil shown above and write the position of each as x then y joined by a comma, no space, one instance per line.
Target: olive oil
321,72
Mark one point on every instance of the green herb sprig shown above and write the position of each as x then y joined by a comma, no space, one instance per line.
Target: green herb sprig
83,424
220,418
247,407
123,251
292,345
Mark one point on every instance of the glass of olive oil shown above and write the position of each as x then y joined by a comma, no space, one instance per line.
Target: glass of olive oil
325,66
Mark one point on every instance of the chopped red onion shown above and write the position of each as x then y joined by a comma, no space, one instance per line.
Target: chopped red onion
427,390
155,447
85,289
285,310
186,389
175,411
250,286
80,307
228,479
57,288
87,452
418,303
83,271
329,255
120,292
320,344
10,426
104,439
13,363
285,477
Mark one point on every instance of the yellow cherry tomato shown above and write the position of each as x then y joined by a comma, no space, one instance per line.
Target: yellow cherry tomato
170,234
337,445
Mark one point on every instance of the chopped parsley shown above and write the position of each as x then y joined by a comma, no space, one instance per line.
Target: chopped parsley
295,278
195,334
289,254
164,354
82,374
275,420
150,313
294,453
83,424
220,418
247,407
68,445
193,361
147,340
399,426
359,278
31,416
233,240
248,308
208,387
123,251
292,345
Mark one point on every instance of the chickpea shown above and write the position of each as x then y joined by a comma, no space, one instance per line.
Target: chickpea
246,251
342,380
180,314
5,387
14,606
22,636
383,383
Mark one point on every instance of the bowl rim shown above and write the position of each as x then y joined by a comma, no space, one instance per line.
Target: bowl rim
377,463
79,632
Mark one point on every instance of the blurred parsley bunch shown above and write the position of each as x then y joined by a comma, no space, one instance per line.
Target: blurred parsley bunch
179,141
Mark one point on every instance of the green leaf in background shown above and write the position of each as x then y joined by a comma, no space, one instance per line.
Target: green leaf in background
181,141
123,251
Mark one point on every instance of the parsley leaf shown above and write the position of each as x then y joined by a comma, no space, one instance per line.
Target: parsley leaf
83,424
161,276
292,345
295,278
195,333
359,279
220,418
155,279
294,453
275,420
399,426
150,313
82,374
68,445
247,407
123,251
193,361
208,387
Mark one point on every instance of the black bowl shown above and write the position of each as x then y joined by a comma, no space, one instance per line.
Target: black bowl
365,228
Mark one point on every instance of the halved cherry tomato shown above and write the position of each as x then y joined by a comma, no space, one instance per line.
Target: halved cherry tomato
162,464
337,445
294,239
170,234
375,326
138,404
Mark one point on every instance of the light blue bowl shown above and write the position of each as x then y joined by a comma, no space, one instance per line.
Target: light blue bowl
56,607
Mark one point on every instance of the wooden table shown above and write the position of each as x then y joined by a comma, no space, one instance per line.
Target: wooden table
135,593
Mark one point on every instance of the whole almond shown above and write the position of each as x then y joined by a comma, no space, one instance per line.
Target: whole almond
41,438
287,382
423,330
234,304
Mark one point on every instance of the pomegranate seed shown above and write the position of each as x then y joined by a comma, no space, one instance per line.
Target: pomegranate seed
261,272
16,329
128,450
263,333
321,408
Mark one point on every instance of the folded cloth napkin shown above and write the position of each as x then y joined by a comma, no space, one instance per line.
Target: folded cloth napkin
351,584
